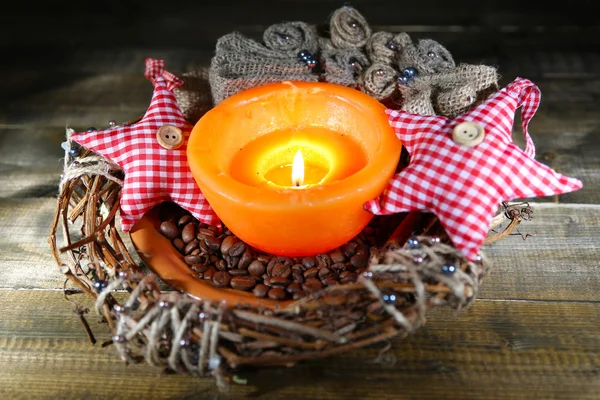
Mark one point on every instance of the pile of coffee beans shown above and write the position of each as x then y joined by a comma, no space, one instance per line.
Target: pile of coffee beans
227,262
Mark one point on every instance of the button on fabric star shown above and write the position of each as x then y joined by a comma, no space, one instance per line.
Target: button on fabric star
170,137
154,172
464,185
468,134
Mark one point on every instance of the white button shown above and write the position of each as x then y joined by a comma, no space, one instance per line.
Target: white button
468,134
170,137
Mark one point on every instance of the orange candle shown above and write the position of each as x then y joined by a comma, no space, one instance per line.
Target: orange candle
288,166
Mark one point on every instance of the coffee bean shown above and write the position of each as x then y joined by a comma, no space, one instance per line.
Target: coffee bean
312,285
337,256
263,258
256,268
221,265
189,232
348,277
276,293
299,294
178,244
359,260
278,281
298,267
194,252
221,279
238,272
330,281
281,270
213,229
200,267
260,290
237,249
311,273
294,287
191,259
203,246
271,264
297,276
212,243
323,260
244,283
362,249
227,243
169,229
208,274
206,232
349,249
338,267
184,220
309,262
191,246
324,273
245,260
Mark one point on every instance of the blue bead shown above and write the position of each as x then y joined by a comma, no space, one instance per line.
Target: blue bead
413,243
389,298
100,284
392,46
304,54
409,72
74,151
91,129
311,63
448,269
402,80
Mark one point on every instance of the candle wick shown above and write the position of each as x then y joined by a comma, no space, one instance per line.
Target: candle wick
297,184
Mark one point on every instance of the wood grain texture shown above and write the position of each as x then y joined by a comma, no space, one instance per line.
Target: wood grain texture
521,350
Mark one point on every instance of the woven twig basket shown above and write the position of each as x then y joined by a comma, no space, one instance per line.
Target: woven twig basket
404,280
412,265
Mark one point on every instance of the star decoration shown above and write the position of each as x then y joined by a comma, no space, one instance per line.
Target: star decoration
464,185
153,173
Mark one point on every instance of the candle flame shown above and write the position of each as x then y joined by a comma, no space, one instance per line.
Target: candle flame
298,170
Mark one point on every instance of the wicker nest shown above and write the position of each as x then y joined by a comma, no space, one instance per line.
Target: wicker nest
164,327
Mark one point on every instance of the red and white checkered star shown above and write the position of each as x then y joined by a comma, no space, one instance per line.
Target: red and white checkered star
153,174
464,185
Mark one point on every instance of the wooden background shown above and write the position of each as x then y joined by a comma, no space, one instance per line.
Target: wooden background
532,333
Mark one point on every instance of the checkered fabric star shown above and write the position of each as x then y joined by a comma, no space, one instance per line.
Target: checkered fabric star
153,173
463,184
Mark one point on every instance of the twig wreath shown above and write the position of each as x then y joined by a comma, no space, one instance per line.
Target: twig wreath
417,253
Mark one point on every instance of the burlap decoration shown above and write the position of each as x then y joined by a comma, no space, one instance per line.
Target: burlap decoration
350,55
241,63
348,29
379,81
342,55
449,93
343,66
426,56
383,47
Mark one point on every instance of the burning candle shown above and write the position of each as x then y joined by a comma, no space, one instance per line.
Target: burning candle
288,166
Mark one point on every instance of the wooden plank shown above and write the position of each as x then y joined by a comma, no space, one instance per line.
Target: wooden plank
558,259
25,255
494,349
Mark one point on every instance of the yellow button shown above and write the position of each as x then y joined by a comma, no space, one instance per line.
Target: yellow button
170,137
468,134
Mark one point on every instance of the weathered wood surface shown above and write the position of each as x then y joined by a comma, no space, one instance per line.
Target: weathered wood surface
515,349
532,333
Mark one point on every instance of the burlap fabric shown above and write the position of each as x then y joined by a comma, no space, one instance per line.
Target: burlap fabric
348,54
